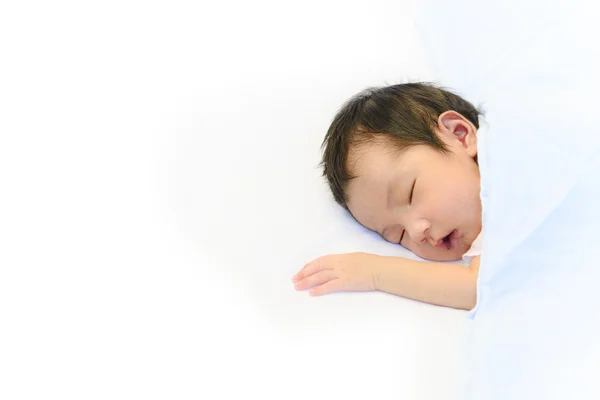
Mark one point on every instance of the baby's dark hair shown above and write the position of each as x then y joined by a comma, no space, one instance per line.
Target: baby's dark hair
405,113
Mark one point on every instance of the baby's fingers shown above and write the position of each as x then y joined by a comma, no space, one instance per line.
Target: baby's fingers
333,285
318,278
312,267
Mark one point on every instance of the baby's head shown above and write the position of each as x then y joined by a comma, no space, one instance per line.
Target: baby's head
402,160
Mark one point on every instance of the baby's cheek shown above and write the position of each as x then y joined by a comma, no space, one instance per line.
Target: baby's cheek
414,247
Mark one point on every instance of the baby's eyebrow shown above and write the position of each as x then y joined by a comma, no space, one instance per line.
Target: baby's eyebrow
390,193
389,196
397,181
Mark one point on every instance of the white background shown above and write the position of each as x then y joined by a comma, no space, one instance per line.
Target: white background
159,186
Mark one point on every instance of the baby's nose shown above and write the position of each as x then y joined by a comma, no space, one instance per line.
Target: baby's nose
418,231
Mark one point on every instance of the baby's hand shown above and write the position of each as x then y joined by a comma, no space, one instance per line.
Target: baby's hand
350,272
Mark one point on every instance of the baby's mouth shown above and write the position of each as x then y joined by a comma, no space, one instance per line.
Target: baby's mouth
450,241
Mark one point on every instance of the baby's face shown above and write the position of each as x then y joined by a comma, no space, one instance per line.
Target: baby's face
422,199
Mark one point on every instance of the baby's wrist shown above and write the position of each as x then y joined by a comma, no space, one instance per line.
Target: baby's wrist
380,271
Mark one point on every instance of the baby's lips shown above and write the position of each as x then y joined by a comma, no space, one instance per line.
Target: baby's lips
452,241
441,244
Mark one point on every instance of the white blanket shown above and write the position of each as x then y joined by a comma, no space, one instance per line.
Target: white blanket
534,65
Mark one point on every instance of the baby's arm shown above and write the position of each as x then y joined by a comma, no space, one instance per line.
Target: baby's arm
449,285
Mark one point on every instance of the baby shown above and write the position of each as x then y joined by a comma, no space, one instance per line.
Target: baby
402,160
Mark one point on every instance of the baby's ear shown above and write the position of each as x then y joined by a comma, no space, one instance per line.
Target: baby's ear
454,127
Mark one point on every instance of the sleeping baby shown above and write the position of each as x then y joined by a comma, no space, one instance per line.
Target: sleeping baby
402,160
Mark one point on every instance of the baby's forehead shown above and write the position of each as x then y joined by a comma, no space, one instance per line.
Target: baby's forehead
376,156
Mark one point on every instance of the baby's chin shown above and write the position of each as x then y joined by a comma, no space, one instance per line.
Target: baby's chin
440,256
431,253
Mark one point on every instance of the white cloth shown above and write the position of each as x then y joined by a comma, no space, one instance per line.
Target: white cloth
474,251
533,333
